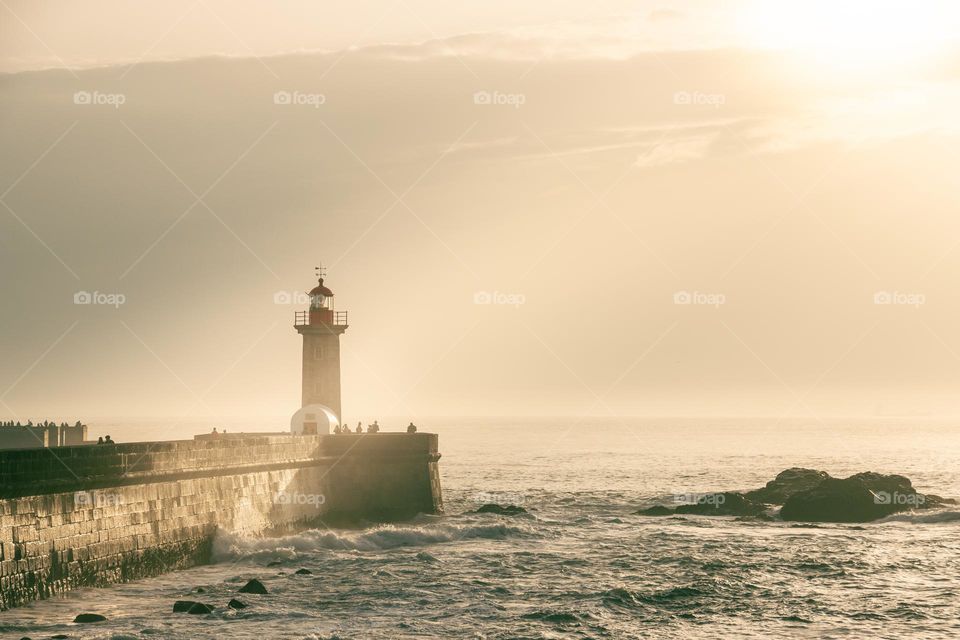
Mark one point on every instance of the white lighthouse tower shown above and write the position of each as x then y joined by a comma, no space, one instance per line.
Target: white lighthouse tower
321,326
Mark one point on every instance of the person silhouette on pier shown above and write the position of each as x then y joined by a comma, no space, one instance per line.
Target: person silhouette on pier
108,440
100,440
411,428
359,428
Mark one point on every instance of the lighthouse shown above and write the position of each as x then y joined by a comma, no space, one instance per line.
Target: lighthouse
321,326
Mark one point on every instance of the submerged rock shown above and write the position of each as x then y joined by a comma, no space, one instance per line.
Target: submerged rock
509,510
189,606
787,483
199,608
254,586
657,510
860,498
237,604
303,572
760,517
90,617
423,556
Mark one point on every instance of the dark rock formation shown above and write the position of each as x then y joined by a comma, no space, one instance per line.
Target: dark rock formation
303,572
236,604
90,617
709,504
860,498
254,586
274,563
721,504
509,510
933,501
189,606
787,483
808,495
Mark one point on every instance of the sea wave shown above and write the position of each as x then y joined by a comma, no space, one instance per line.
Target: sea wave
232,546
924,518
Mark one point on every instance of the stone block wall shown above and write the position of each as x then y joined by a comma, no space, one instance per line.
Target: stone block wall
96,515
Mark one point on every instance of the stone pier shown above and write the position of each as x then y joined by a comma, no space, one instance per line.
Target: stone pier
99,514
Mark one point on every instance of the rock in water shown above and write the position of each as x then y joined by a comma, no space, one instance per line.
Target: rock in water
200,608
90,617
189,606
236,604
860,498
509,510
303,572
658,510
932,501
787,483
254,586
721,504
709,504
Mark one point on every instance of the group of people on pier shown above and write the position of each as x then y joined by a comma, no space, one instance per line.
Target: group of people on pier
374,427
45,423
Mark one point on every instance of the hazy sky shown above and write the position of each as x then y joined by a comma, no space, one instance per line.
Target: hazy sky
786,168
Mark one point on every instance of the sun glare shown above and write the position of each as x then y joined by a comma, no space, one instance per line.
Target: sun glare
851,35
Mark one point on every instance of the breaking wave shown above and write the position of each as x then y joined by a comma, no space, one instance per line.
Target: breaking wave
924,518
232,546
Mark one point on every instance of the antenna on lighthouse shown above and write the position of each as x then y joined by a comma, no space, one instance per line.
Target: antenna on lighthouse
321,271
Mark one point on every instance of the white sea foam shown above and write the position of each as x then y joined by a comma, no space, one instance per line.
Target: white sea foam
231,546
924,518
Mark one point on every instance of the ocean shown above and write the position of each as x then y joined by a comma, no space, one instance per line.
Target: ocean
579,563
